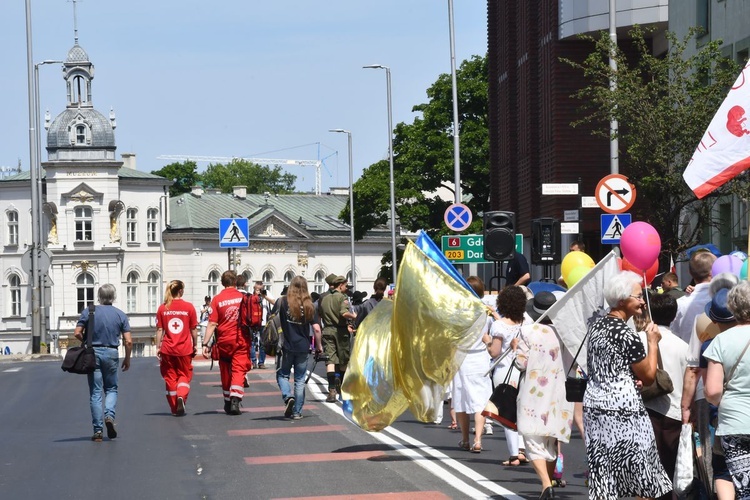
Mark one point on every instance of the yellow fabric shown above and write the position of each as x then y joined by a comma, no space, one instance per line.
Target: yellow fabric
407,352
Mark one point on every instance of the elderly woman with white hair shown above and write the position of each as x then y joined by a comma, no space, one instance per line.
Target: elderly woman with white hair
620,445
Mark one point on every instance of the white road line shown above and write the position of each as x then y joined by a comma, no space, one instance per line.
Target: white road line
11,370
431,466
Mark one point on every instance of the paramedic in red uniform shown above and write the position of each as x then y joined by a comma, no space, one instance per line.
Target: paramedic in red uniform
234,348
176,348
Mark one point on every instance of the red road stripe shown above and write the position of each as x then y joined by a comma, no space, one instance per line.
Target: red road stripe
262,381
404,495
286,430
312,457
267,393
271,409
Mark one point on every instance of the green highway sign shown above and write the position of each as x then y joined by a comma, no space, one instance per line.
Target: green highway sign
469,248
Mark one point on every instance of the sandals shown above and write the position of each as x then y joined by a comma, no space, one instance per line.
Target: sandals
511,462
522,457
476,448
453,426
464,445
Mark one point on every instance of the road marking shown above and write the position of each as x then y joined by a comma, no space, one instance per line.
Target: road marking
440,471
287,430
273,409
266,393
402,495
251,381
12,370
313,457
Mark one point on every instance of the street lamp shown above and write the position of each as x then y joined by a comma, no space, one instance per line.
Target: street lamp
351,200
390,159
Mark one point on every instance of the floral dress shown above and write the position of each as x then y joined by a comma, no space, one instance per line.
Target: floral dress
620,445
542,407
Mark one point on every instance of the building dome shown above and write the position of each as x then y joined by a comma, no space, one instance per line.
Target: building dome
77,54
62,130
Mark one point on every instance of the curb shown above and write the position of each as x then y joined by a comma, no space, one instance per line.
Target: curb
30,357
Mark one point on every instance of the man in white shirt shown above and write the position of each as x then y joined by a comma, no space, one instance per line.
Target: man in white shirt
690,306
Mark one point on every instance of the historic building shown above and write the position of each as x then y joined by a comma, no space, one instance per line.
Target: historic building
105,222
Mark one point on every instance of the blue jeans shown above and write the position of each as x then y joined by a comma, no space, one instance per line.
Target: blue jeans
298,360
261,356
104,379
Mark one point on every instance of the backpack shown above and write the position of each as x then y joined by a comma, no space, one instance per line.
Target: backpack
272,336
251,314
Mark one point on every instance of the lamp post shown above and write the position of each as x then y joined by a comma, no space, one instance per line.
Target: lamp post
162,222
390,159
351,200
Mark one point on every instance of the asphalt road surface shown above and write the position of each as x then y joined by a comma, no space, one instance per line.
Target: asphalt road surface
46,449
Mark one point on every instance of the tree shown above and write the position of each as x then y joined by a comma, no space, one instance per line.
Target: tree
184,175
423,159
257,178
663,104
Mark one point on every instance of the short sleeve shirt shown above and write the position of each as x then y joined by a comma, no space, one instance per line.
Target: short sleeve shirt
225,308
332,308
612,347
735,403
109,324
517,267
177,322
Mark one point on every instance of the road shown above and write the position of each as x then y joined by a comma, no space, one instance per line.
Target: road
46,451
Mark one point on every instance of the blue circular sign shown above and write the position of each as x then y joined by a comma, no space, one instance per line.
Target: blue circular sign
457,217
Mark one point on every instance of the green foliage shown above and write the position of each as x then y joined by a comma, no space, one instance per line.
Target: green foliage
184,175
258,179
424,159
663,104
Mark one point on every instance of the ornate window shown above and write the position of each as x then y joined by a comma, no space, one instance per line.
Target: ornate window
268,281
153,291
249,279
152,221
320,284
288,277
80,134
12,218
131,303
84,291
14,283
213,283
83,219
132,225
349,277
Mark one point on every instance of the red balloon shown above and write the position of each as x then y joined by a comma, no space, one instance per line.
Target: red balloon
650,272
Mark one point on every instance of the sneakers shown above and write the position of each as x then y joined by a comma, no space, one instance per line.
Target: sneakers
180,407
488,429
297,416
234,406
97,437
255,364
289,407
227,407
111,431
245,383
262,366
331,396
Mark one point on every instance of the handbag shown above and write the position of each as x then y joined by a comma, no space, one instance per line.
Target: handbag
662,383
81,359
502,404
575,387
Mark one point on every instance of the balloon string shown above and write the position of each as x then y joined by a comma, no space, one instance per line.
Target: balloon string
645,294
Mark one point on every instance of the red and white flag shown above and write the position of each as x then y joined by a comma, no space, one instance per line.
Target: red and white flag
672,267
724,150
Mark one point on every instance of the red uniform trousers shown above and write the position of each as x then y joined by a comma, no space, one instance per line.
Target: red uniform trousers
177,372
234,363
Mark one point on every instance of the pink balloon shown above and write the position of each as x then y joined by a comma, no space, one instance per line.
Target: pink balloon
640,244
727,264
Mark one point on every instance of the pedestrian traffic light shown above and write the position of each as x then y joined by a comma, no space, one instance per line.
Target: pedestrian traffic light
545,241
499,235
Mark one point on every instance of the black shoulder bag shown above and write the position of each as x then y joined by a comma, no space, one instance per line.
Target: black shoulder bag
575,387
81,359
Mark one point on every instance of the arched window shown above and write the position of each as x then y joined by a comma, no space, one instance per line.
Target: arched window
132,225
248,279
288,277
84,291
268,281
152,223
349,277
213,283
153,291
12,218
80,134
131,304
320,284
83,217
14,283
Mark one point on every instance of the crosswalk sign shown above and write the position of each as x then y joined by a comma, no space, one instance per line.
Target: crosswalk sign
613,226
234,233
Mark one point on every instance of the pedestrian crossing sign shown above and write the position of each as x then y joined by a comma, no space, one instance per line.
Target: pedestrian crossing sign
234,233
613,226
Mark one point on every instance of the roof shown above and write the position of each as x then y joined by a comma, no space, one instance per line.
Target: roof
122,173
102,133
310,212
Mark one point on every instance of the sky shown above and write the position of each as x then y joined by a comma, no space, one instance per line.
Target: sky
238,78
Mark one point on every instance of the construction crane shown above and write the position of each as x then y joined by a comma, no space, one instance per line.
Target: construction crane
275,162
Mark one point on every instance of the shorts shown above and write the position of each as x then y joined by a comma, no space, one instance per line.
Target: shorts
541,448
336,345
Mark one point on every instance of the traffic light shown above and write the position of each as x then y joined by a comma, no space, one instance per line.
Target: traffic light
499,235
545,241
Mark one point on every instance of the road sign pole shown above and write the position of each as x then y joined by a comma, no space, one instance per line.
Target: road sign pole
580,210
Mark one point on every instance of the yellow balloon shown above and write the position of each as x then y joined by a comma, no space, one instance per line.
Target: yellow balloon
573,260
575,275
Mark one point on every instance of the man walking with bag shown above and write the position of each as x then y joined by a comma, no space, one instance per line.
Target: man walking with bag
234,347
109,323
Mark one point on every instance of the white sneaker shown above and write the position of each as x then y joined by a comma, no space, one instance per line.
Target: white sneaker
488,428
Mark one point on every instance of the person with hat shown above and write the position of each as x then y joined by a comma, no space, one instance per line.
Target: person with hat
723,317
335,311
544,415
